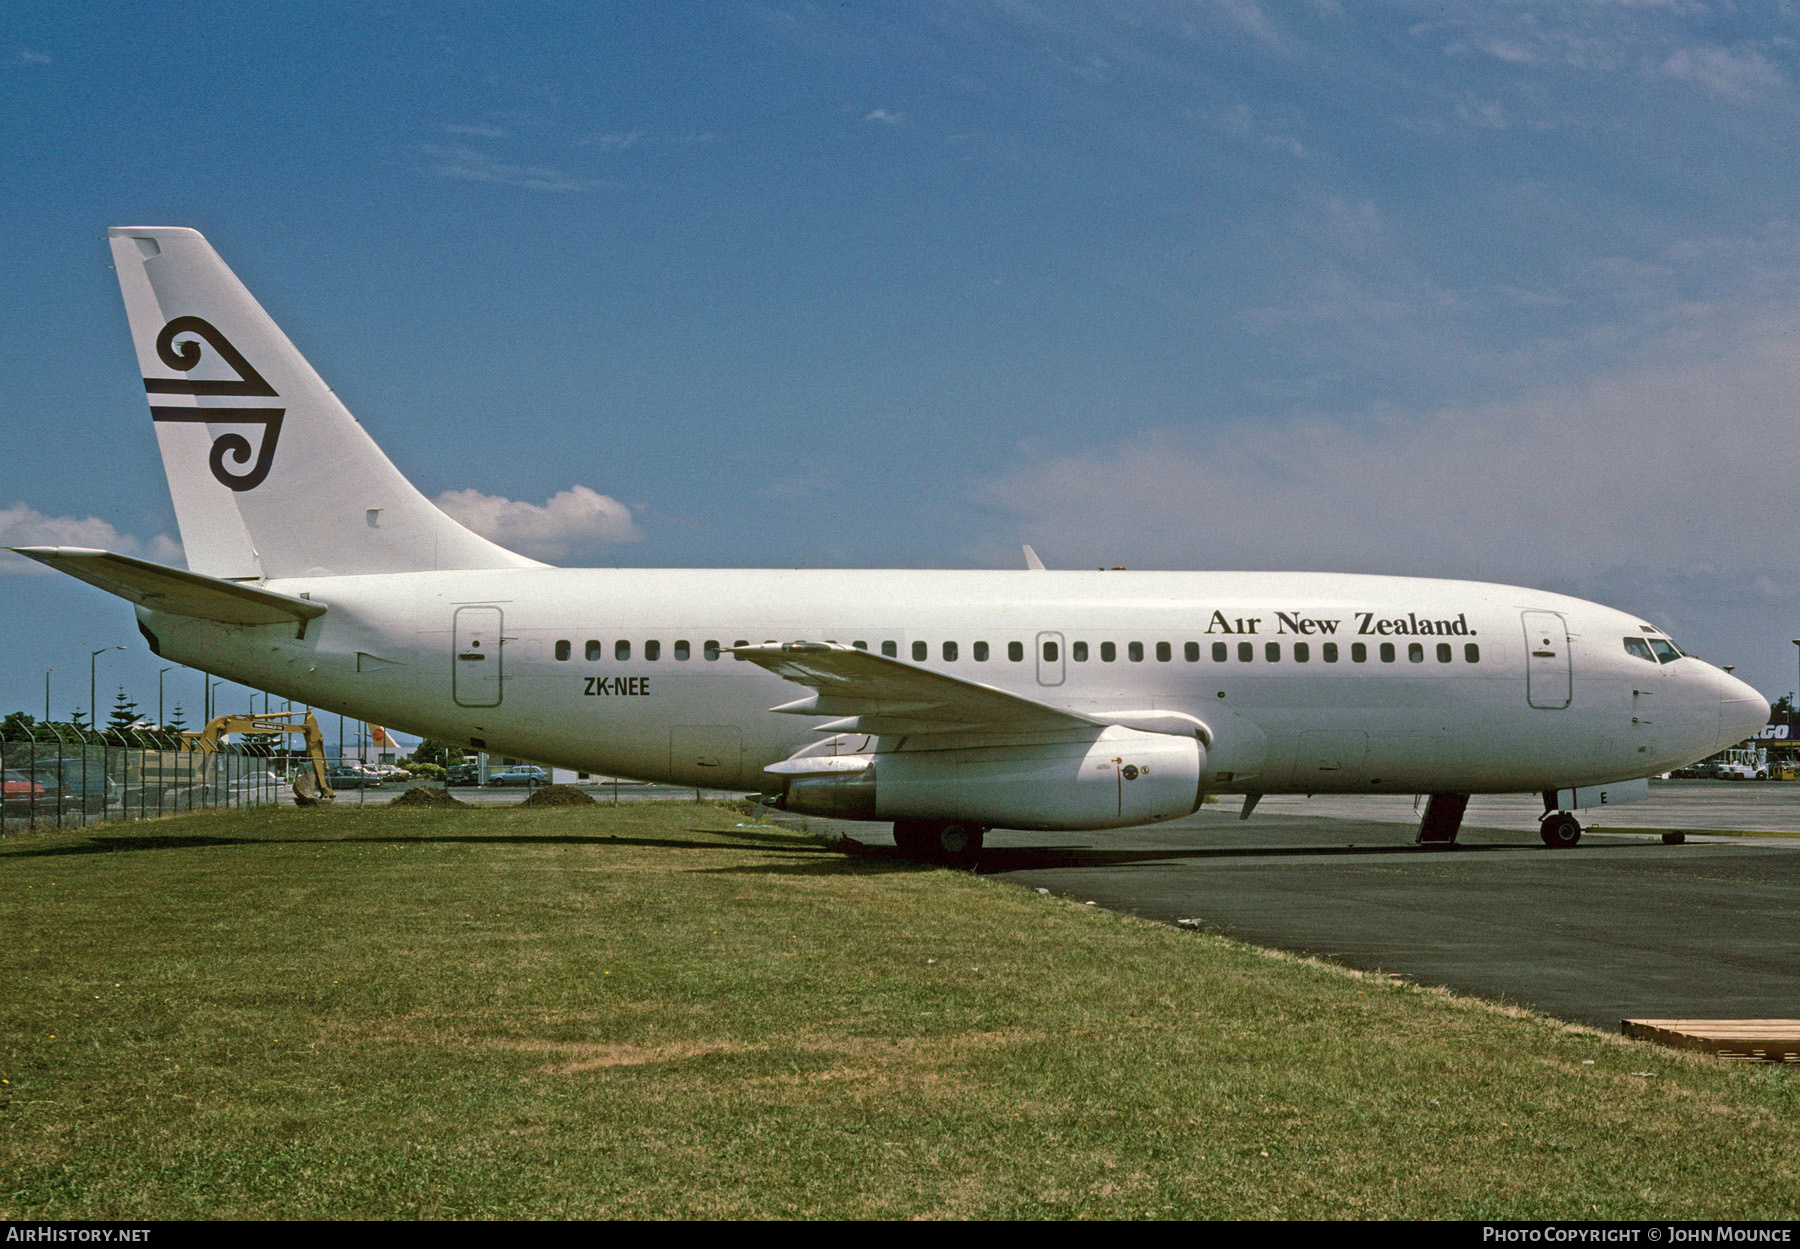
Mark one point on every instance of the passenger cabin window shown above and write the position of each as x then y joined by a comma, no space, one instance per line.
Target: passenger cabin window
1246,652
1328,652
1443,652
1640,648
1359,654
740,658
621,650
1665,650
1108,652
1078,652
681,650
1015,651
1272,651
1163,653
920,650
1220,651
1050,651
1302,652
710,649
1191,652
861,646
1387,652
1471,652
1415,652
949,652
652,650
1135,652
562,650
591,650
981,652
891,649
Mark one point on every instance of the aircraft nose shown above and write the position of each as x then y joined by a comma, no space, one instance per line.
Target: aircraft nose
1742,711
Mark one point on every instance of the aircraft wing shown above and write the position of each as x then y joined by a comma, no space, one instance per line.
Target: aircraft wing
875,694
161,588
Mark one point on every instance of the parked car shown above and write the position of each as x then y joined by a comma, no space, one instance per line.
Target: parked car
462,774
520,775
82,782
345,777
19,790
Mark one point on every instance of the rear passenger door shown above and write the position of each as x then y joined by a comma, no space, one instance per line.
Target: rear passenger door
476,675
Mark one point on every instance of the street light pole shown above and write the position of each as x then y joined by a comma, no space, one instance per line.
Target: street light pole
47,672
159,696
93,707
1796,698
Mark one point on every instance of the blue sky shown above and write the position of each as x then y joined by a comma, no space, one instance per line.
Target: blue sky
1508,290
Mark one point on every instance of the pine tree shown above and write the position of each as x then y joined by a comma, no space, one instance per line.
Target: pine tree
177,722
124,713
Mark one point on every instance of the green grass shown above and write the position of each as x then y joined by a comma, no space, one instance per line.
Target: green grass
653,1011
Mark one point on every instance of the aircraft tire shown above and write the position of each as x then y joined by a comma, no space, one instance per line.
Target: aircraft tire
1674,839
958,845
1560,830
914,838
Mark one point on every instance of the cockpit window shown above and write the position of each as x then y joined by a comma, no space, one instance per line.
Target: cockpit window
1640,648
1665,650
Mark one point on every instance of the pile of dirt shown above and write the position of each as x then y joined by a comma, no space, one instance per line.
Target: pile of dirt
428,796
558,796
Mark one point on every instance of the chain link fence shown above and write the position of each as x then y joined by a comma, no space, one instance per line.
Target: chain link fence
70,778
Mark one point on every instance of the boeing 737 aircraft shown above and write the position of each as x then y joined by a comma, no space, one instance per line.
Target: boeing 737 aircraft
948,703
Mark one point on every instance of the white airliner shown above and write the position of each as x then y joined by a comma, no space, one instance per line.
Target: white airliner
948,703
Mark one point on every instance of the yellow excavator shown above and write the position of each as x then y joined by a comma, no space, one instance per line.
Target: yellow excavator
311,788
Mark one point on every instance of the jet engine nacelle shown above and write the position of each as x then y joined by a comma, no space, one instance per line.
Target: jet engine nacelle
1115,778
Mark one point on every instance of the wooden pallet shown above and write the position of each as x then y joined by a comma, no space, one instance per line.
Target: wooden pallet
1748,1040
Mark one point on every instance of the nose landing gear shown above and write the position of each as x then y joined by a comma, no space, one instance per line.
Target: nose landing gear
1560,830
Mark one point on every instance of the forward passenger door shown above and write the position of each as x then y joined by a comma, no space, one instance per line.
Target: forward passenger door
1549,677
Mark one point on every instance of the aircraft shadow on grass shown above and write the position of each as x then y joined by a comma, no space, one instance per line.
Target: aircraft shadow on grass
846,856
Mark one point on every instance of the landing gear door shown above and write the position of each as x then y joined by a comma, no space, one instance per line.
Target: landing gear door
1549,681
476,674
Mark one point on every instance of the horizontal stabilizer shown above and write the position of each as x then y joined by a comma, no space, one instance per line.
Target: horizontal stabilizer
175,590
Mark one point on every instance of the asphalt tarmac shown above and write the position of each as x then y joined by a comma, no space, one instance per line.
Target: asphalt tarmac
1619,927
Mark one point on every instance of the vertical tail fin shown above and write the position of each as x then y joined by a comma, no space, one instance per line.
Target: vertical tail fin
271,475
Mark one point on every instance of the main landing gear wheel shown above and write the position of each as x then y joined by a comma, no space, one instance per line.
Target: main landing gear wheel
1560,830
912,838
956,844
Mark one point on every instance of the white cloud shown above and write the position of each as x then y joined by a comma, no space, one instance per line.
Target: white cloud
574,520
1677,465
1740,74
470,165
480,132
28,57
23,525
612,141
882,115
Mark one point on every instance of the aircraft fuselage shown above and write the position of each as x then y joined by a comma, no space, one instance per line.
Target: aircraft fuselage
1307,682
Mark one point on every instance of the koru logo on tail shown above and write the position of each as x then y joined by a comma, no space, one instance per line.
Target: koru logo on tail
183,356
